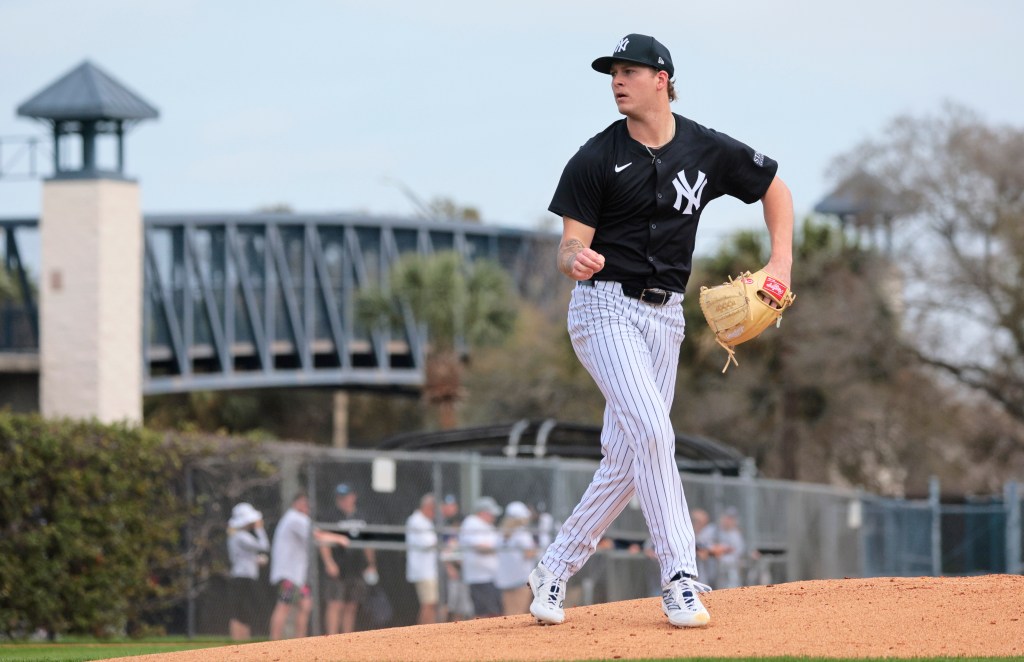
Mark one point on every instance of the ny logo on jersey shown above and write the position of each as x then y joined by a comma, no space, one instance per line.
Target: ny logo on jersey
622,45
691,193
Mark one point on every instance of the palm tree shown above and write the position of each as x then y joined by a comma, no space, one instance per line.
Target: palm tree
460,305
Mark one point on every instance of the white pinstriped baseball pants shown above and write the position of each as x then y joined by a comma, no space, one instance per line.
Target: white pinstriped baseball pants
631,349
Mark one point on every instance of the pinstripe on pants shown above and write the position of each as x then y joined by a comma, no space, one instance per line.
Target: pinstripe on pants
631,349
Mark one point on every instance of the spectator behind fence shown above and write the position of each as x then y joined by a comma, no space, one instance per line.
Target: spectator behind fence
350,571
459,605
731,549
546,527
707,561
421,558
478,541
515,559
289,566
247,551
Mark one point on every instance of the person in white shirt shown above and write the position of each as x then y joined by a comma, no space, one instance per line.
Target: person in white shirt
516,559
732,548
479,540
707,548
247,550
458,605
421,558
289,566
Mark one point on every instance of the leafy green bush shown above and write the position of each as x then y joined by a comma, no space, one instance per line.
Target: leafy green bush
91,519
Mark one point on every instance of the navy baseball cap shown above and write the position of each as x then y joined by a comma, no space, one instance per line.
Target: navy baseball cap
342,489
637,48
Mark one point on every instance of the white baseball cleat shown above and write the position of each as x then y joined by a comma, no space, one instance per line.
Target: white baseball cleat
548,596
681,604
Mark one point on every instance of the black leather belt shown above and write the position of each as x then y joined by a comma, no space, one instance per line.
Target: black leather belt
652,295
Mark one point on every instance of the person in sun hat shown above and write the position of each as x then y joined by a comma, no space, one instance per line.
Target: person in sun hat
247,551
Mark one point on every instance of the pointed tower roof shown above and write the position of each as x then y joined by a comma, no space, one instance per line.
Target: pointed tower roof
87,93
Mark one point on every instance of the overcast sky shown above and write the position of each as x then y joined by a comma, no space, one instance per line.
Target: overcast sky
336,106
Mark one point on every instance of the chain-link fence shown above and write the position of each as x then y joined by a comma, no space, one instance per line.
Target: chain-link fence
791,531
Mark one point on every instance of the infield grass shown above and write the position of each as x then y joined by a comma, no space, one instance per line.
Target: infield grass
74,650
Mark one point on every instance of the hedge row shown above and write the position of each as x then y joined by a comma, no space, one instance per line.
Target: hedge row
91,520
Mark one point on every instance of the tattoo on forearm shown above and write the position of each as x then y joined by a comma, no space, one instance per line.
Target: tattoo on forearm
567,254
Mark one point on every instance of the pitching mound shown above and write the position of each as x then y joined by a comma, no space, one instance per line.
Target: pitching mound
974,616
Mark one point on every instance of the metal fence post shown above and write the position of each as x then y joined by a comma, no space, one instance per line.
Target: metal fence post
894,559
557,505
470,482
313,574
934,502
439,524
855,519
190,556
1011,498
751,504
717,499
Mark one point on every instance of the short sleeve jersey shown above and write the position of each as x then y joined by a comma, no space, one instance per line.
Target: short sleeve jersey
645,209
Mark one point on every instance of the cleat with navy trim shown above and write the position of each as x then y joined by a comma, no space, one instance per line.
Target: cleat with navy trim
548,596
680,602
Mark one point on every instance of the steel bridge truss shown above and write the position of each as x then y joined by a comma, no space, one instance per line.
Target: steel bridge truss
269,300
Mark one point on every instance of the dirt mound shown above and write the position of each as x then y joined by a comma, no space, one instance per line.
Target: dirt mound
885,617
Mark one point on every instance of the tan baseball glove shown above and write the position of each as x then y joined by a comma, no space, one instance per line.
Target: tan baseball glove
744,307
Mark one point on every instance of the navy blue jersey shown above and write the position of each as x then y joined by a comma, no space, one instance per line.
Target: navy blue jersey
645,208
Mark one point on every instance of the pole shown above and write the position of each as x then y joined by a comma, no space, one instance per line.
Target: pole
1013,533
313,576
442,571
190,555
936,509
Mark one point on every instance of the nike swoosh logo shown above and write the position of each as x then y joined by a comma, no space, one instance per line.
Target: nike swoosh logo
619,168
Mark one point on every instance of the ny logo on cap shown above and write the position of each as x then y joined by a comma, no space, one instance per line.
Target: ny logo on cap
622,45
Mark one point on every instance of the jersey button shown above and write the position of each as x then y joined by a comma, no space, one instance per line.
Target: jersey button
659,161
659,196
650,259
654,226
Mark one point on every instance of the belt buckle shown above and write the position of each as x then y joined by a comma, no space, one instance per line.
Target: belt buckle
655,292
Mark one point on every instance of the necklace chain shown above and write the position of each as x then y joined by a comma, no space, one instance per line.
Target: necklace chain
654,156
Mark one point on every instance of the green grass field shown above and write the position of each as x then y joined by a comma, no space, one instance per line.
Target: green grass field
80,651
75,650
